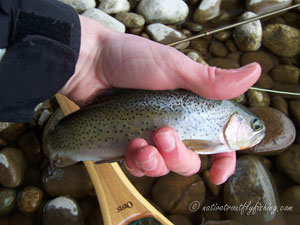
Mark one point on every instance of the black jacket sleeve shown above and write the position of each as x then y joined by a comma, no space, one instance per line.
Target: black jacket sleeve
42,41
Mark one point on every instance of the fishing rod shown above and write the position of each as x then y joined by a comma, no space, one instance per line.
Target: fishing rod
227,27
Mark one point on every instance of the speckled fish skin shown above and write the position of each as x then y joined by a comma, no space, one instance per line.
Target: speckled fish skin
102,131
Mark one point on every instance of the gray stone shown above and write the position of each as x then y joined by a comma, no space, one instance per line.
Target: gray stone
105,19
287,74
131,20
7,201
80,5
163,11
265,6
207,10
248,36
291,197
114,6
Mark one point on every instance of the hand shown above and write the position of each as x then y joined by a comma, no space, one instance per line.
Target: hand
109,59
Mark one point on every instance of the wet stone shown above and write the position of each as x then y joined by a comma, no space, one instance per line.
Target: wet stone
12,167
72,180
218,49
180,219
289,163
95,218
280,132
114,6
29,199
294,106
291,197
265,81
194,27
231,46
223,35
251,185
30,145
265,6
223,63
12,131
282,40
258,98
292,219
33,177
80,5
3,142
235,56
163,11
281,180
64,211
7,201
130,20
201,46
196,57
19,218
213,188
174,193
4,221
207,10
286,74
260,57
292,19
287,88
280,104
248,36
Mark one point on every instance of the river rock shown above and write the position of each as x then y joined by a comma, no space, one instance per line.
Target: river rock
114,6
174,193
221,222
3,142
223,63
282,40
294,106
194,55
7,201
231,46
19,218
80,5
207,10
194,27
291,197
105,19
30,145
11,131
251,185
280,132
200,45
265,6
248,36
29,199
163,11
213,188
292,219
12,167
218,49
62,210
265,81
279,103
72,180
258,98
287,88
180,219
223,35
292,19
286,74
130,20
281,180
289,162
260,57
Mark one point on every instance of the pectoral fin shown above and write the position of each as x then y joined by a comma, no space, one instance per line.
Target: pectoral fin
204,147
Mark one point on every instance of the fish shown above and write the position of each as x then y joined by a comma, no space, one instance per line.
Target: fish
101,132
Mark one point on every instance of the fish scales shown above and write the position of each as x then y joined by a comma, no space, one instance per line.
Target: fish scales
103,130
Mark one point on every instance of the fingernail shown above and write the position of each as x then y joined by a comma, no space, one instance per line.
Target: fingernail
148,165
165,141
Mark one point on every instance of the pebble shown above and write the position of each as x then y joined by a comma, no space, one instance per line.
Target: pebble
265,81
12,167
224,63
231,46
11,131
218,49
71,180
287,74
251,185
200,45
130,20
105,19
29,199
258,98
196,57
260,57
294,106
163,11
248,36
289,162
193,27
291,197
282,40
174,193
114,6
3,142
282,181
213,188
62,210
19,218
80,5
265,6
280,132
180,219
7,201
223,35
207,10
292,19
279,103
30,145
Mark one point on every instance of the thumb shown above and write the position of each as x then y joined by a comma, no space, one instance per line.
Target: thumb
215,83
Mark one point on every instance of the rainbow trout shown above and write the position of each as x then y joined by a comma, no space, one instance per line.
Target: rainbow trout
101,132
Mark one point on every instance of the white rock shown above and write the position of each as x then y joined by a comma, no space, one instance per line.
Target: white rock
80,5
260,7
248,37
2,53
64,203
163,11
114,6
105,19
207,10
163,34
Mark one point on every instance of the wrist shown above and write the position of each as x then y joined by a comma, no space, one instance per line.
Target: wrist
85,82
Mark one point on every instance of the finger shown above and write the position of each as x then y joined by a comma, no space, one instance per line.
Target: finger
150,161
223,167
132,147
175,154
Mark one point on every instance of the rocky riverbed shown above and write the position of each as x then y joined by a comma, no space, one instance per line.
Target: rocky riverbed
265,188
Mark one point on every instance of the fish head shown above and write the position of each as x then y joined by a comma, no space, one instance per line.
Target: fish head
242,131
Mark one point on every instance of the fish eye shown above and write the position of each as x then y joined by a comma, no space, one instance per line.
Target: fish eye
257,124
